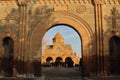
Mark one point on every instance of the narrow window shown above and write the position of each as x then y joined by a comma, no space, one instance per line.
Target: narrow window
59,50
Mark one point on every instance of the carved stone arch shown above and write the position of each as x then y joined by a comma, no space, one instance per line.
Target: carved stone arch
107,38
65,18
15,39
69,61
49,58
68,58
75,22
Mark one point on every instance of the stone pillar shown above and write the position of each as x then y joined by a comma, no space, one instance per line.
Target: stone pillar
99,36
22,34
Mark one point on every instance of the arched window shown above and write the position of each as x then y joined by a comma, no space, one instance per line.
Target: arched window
59,50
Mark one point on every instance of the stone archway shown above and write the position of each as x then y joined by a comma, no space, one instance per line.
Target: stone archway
15,39
58,61
8,56
69,62
114,50
49,59
11,39
75,22
108,42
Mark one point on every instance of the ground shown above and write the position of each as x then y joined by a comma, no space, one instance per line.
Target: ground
61,73
57,73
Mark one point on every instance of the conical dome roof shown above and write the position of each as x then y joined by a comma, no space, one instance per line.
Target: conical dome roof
58,36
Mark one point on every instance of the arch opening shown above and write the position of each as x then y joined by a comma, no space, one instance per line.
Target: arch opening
49,59
58,61
63,43
69,62
76,23
8,56
70,36
114,50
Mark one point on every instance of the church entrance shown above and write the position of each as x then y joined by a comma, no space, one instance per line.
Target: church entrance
69,62
114,44
49,59
58,61
7,60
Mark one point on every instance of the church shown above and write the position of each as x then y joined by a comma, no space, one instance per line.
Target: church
59,52
23,24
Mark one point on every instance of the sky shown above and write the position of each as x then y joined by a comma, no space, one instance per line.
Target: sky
69,34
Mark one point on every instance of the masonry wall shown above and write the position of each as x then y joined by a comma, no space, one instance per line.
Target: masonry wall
27,21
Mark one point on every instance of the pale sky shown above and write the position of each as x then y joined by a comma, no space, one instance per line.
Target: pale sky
69,34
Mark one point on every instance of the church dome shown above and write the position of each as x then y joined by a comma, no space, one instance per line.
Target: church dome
58,36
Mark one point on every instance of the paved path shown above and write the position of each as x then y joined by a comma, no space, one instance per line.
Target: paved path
56,73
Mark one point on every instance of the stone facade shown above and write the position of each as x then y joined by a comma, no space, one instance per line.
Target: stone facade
96,22
59,49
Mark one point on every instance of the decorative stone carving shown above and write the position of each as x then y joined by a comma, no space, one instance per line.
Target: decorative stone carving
112,20
11,19
81,9
8,10
98,1
22,2
13,14
38,14
64,2
40,10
